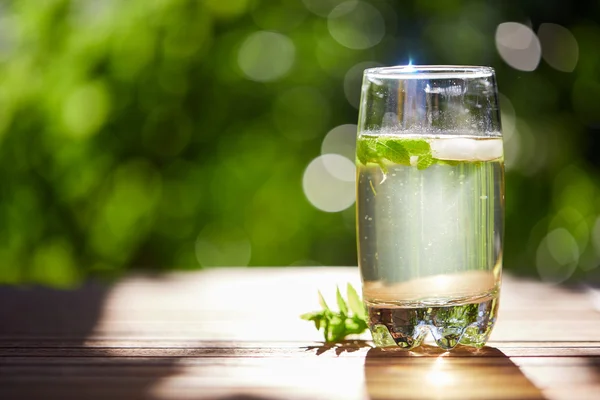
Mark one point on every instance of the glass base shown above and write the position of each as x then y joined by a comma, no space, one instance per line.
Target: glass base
467,324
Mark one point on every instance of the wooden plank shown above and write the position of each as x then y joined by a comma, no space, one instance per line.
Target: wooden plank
144,343
396,378
214,305
45,364
307,350
211,335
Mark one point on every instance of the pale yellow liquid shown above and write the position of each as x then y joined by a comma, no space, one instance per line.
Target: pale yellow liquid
431,239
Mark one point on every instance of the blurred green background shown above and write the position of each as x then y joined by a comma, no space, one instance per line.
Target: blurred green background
185,134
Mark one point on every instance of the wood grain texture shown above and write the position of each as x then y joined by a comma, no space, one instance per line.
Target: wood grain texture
235,334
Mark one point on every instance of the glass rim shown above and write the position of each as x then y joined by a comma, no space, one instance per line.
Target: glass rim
403,72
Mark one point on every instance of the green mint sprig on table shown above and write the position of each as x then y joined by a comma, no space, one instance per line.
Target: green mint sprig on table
351,318
370,149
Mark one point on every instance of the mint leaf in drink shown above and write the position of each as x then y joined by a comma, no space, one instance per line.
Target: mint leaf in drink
398,150
416,147
425,161
386,149
365,150
351,318
394,151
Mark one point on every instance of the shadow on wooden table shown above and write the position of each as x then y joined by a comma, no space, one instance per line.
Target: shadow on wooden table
429,372
45,350
345,346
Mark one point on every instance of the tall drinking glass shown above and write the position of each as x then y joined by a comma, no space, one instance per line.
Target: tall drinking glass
430,204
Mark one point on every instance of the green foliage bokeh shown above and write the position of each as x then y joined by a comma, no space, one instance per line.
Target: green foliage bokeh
131,137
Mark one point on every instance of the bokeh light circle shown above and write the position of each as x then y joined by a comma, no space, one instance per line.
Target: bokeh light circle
353,81
328,183
559,47
356,25
266,56
340,140
557,256
518,46
339,167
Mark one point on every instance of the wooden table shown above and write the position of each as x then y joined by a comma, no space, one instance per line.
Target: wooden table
235,334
